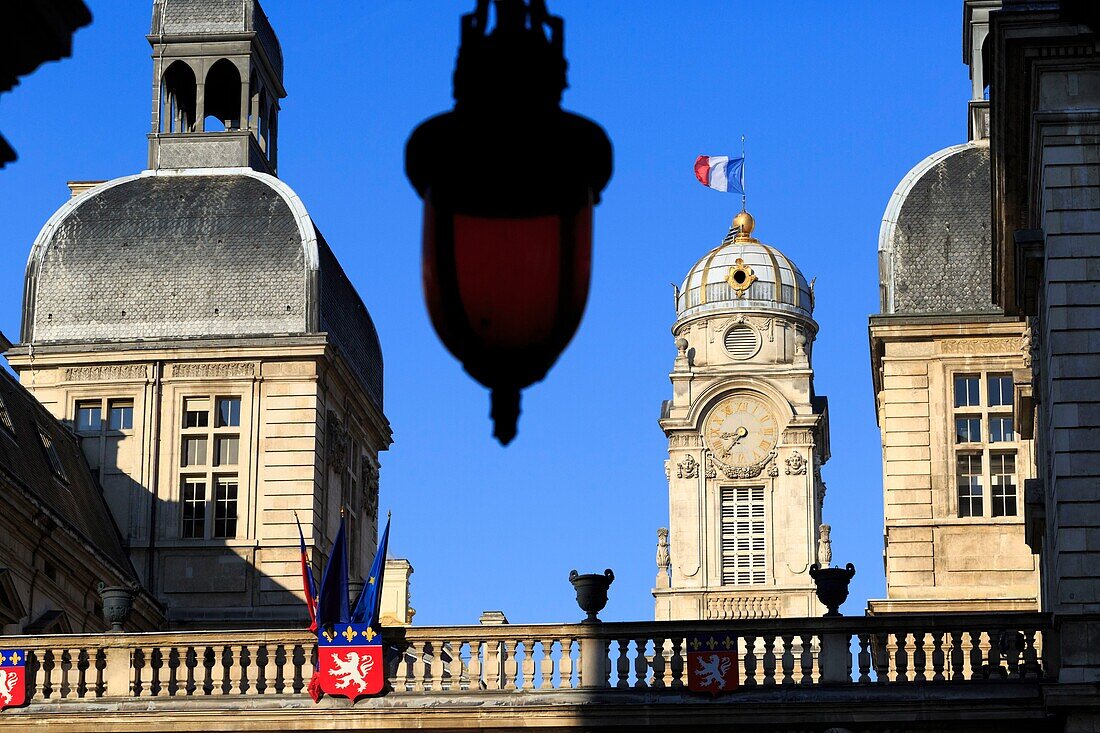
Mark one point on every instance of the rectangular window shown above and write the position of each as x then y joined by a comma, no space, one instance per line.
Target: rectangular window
968,430
743,538
194,450
89,417
1003,490
1000,430
1000,390
227,449
225,507
229,412
120,415
196,412
52,457
194,508
5,417
969,473
966,391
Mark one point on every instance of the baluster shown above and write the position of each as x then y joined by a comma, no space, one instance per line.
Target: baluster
807,661
455,669
287,670
235,669
901,658
492,665
937,656
788,659
77,679
864,657
188,663
70,673
1030,667
622,665
528,667
881,650
143,676
565,664
218,672
641,662
661,677
957,655
417,665
56,671
476,683
919,657
437,667
546,666
975,655
1012,651
676,663
250,677
750,660
993,665
271,667
161,665
511,668
769,659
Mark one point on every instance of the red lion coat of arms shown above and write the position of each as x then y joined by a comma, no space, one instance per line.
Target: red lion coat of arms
350,661
712,663
13,678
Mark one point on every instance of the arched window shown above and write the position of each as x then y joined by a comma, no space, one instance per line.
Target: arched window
177,104
223,97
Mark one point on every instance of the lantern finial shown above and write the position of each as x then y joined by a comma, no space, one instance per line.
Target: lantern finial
505,413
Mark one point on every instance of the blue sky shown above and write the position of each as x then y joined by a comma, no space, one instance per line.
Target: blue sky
838,101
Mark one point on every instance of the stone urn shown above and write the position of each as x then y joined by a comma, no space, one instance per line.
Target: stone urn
118,601
591,592
832,585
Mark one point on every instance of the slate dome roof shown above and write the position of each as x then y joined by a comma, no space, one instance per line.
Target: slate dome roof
766,277
935,242
194,254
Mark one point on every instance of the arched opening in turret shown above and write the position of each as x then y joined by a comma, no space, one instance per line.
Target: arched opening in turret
263,131
177,98
222,97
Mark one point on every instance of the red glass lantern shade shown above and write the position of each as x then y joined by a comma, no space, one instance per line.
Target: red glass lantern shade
509,182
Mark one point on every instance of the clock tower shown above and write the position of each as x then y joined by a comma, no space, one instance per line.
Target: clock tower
747,437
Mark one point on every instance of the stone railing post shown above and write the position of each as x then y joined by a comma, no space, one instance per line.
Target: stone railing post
593,661
835,657
116,673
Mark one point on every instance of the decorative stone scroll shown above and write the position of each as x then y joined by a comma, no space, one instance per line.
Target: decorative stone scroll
336,443
979,346
750,471
796,464
687,468
106,373
214,370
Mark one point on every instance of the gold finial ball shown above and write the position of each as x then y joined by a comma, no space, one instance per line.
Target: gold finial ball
745,223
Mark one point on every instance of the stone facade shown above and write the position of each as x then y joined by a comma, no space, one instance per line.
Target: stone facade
747,438
945,549
1045,97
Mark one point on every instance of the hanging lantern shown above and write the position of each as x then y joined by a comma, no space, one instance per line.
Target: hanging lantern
508,181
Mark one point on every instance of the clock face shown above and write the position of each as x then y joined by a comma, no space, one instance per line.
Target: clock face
740,430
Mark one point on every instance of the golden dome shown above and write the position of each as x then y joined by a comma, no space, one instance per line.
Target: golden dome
744,224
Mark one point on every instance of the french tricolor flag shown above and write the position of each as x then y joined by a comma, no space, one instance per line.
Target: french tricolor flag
721,172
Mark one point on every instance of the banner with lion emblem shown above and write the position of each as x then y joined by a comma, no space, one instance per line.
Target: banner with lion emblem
349,661
13,669
712,663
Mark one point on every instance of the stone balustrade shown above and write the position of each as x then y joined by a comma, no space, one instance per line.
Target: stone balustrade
605,657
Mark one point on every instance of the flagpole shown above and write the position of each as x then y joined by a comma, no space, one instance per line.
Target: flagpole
743,196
